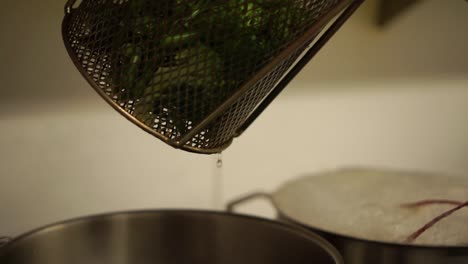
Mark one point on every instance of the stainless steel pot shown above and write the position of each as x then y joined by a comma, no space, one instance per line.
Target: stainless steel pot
362,251
168,237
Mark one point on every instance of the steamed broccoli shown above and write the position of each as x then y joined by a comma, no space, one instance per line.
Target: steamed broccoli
166,53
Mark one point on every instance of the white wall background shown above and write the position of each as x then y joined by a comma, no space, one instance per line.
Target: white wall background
394,97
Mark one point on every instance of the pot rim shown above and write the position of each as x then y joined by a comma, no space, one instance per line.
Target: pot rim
300,232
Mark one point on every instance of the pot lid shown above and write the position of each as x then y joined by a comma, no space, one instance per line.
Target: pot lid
369,204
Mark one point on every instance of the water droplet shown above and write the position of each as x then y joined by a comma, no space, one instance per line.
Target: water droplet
218,183
219,162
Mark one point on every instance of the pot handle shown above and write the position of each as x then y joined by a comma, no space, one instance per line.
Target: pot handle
4,240
231,206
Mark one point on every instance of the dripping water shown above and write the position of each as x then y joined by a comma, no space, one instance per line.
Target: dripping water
218,183
219,161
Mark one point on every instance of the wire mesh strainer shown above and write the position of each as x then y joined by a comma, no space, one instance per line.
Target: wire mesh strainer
196,73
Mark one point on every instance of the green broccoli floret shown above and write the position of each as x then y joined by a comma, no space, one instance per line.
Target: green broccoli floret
170,53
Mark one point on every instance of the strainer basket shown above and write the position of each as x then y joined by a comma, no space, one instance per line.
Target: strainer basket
196,73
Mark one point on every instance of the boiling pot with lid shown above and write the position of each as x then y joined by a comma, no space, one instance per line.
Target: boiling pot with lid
297,202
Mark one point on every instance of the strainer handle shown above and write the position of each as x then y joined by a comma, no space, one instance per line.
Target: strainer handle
4,240
69,6
317,46
231,206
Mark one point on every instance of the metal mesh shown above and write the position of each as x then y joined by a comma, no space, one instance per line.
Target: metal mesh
168,65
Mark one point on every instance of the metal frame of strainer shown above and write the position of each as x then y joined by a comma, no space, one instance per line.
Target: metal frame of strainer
343,9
